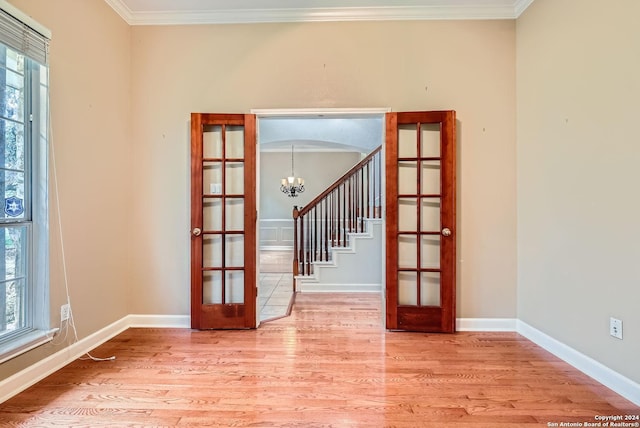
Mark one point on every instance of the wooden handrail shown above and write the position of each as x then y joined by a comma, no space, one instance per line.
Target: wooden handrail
338,182
330,217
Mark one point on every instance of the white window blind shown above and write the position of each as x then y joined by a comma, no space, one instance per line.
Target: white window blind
22,37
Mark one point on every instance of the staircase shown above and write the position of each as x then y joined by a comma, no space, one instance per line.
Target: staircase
338,236
354,268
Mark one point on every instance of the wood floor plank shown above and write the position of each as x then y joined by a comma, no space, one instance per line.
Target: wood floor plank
330,364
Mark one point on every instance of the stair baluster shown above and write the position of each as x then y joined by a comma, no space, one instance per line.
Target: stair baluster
328,219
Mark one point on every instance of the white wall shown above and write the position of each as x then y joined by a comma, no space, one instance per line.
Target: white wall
578,97
319,170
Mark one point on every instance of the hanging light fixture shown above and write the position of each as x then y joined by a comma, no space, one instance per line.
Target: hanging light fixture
291,185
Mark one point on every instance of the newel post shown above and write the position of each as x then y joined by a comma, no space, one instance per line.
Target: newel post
296,214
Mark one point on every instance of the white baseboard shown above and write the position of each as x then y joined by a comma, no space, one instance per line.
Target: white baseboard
276,248
598,371
159,321
43,368
485,324
312,287
33,374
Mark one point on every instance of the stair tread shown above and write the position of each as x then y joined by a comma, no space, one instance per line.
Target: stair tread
334,275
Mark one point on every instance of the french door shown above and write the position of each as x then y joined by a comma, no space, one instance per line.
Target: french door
420,221
223,221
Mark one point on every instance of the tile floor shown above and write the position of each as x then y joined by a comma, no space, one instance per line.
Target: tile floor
275,295
275,290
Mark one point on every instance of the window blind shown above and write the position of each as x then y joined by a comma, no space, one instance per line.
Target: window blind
23,38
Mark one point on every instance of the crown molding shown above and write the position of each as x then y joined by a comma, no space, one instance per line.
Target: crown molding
122,9
488,10
520,6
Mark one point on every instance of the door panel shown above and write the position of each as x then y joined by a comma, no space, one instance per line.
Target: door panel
420,198
223,221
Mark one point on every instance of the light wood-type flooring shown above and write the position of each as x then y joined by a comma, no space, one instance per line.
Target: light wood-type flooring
329,364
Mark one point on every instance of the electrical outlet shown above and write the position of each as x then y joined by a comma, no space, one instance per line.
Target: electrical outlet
65,312
615,327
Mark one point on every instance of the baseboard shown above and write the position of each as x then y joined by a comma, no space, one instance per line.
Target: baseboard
276,248
301,287
33,374
598,371
43,368
486,324
159,321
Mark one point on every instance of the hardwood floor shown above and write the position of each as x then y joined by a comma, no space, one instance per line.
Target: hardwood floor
330,364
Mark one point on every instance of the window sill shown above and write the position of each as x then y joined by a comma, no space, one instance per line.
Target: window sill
25,343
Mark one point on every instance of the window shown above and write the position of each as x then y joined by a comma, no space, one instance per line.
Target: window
24,243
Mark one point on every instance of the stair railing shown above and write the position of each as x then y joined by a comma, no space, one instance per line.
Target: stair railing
342,208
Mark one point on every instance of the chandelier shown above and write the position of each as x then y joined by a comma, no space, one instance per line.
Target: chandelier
291,185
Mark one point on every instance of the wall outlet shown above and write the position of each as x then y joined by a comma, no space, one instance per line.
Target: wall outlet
615,327
65,312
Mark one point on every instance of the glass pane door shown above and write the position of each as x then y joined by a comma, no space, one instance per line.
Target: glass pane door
223,221
420,152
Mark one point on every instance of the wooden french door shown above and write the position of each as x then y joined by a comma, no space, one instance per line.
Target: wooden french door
223,221
421,221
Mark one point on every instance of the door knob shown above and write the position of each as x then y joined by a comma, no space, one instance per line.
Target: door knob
196,231
446,232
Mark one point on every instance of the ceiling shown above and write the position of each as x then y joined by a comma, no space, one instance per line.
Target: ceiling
333,133
185,12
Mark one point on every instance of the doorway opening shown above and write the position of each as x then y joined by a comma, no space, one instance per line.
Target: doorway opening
318,146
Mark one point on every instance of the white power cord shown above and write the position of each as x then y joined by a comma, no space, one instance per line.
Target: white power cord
70,321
